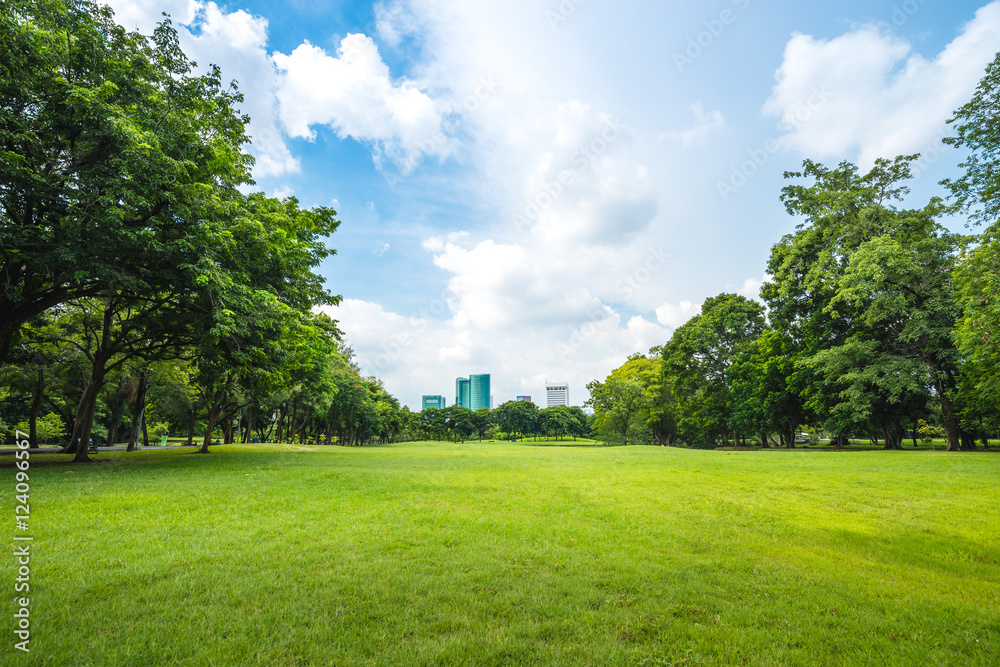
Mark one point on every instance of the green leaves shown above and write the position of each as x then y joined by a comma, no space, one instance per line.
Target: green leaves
977,192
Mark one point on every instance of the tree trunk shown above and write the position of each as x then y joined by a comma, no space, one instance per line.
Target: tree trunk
85,410
145,432
191,422
281,422
116,417
248,433
968,441
948,417
36,402
138,412
214,410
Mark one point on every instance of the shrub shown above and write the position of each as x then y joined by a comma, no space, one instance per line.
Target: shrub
157,430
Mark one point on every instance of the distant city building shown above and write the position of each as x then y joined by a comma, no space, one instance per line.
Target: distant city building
435,401
526,399
557,393
473,392
463,396
479,391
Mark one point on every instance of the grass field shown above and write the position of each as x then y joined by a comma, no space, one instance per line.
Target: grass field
509,554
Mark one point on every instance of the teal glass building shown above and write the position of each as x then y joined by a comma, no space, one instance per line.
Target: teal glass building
479,391
432,401
473,392
463,397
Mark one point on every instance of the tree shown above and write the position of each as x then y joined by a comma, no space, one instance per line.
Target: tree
459,421
557,421
842,210
901,283
977,191
257,289
482,420
112,156
977,274
617,402
433,422
517,417
766,389
699,362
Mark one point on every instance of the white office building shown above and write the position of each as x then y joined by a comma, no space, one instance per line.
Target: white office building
557,393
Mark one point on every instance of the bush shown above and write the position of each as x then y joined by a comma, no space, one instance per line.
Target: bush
47,428
158,430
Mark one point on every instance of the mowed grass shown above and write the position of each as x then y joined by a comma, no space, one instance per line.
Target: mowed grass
509,554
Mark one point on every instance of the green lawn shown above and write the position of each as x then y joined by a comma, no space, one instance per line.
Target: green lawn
510,554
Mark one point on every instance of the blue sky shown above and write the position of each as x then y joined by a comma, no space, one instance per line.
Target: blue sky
537,189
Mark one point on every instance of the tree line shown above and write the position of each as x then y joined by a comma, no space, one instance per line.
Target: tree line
144,287
876,322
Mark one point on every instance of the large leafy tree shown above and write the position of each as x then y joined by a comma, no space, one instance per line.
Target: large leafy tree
901,285
765,389
113,153
618,401
977,128
842,211
517,417
977,275
700,362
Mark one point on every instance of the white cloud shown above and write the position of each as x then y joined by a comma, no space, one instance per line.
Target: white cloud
866,91
673,316
751,286
354,94
237,42
283,192
423,355
706,125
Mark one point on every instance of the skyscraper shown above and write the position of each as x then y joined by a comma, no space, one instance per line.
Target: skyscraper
433,401
557,393
462,395
479,391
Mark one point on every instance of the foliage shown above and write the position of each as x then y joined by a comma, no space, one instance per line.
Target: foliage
114,157
977,191
48,428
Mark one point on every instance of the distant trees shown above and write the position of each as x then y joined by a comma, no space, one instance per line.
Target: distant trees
880,322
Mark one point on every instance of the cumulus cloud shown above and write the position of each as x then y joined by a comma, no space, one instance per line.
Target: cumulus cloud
673,316
355,95
288,95
423,353
867,92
